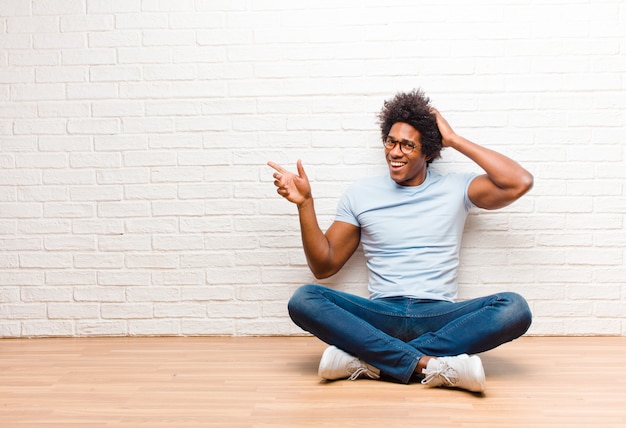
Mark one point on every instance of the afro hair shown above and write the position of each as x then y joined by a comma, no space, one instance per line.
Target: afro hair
413,108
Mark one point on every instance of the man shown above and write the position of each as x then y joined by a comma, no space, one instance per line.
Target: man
410,223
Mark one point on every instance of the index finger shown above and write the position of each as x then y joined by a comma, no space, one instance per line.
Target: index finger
277,167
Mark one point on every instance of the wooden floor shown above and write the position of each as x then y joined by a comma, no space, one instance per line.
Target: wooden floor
272,382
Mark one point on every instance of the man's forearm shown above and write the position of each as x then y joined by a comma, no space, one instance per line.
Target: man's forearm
502,170
314,242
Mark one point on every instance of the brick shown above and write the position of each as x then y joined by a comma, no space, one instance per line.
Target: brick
213,327
47,328
179,310
151,225
22,311
10,329
203,158
92,328
123,209
90,56
114,39
177,243
64,109
204,259
65,278
596,257
207,293
9,261
9,8
231,276
205,225
98,227
119,143
216,207
153,294
124,278
190,141
58,7
215,192
69,243
589,327
189,173
98,261
163,327
45,260
93,126
10,294
166,261
215,70
65,74
22,59
180,208
118,6
68,210
264,326
123,176
143,55
233,309
144,126
21,278
141,21
117,108
16,41
150,191
144,158
42,91
115,73
59,41
184,277
127,311
200,54
185,72
125,242
86,23
73,310
20,210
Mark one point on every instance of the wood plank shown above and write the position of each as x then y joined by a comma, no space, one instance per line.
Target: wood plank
272,382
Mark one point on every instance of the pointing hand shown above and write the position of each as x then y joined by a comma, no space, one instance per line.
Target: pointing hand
294,188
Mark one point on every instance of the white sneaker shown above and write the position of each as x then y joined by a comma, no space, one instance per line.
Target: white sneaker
461,371
337,364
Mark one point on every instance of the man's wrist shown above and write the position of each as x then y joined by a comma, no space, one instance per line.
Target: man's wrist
304,204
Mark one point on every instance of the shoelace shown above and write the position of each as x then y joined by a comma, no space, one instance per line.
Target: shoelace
446,374
357,368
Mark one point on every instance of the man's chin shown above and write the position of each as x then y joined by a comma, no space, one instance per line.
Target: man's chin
399,180
396,175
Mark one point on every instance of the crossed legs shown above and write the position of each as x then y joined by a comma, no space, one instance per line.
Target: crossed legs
400,335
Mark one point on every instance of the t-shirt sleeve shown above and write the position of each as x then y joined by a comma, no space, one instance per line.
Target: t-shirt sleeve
345,210
468,178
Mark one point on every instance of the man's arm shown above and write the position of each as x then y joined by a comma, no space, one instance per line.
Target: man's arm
326,253
505,180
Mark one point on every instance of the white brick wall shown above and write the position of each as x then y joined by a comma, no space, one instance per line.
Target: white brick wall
134,195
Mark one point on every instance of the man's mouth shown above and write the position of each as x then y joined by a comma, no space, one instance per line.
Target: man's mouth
397,164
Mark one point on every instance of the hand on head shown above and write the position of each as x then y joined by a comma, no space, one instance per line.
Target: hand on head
446,131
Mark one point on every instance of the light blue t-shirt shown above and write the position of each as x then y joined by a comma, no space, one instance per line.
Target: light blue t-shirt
411,235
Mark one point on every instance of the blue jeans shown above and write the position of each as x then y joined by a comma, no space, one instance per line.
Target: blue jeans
393,333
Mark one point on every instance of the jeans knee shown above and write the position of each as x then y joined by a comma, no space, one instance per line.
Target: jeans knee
300,302
518,311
